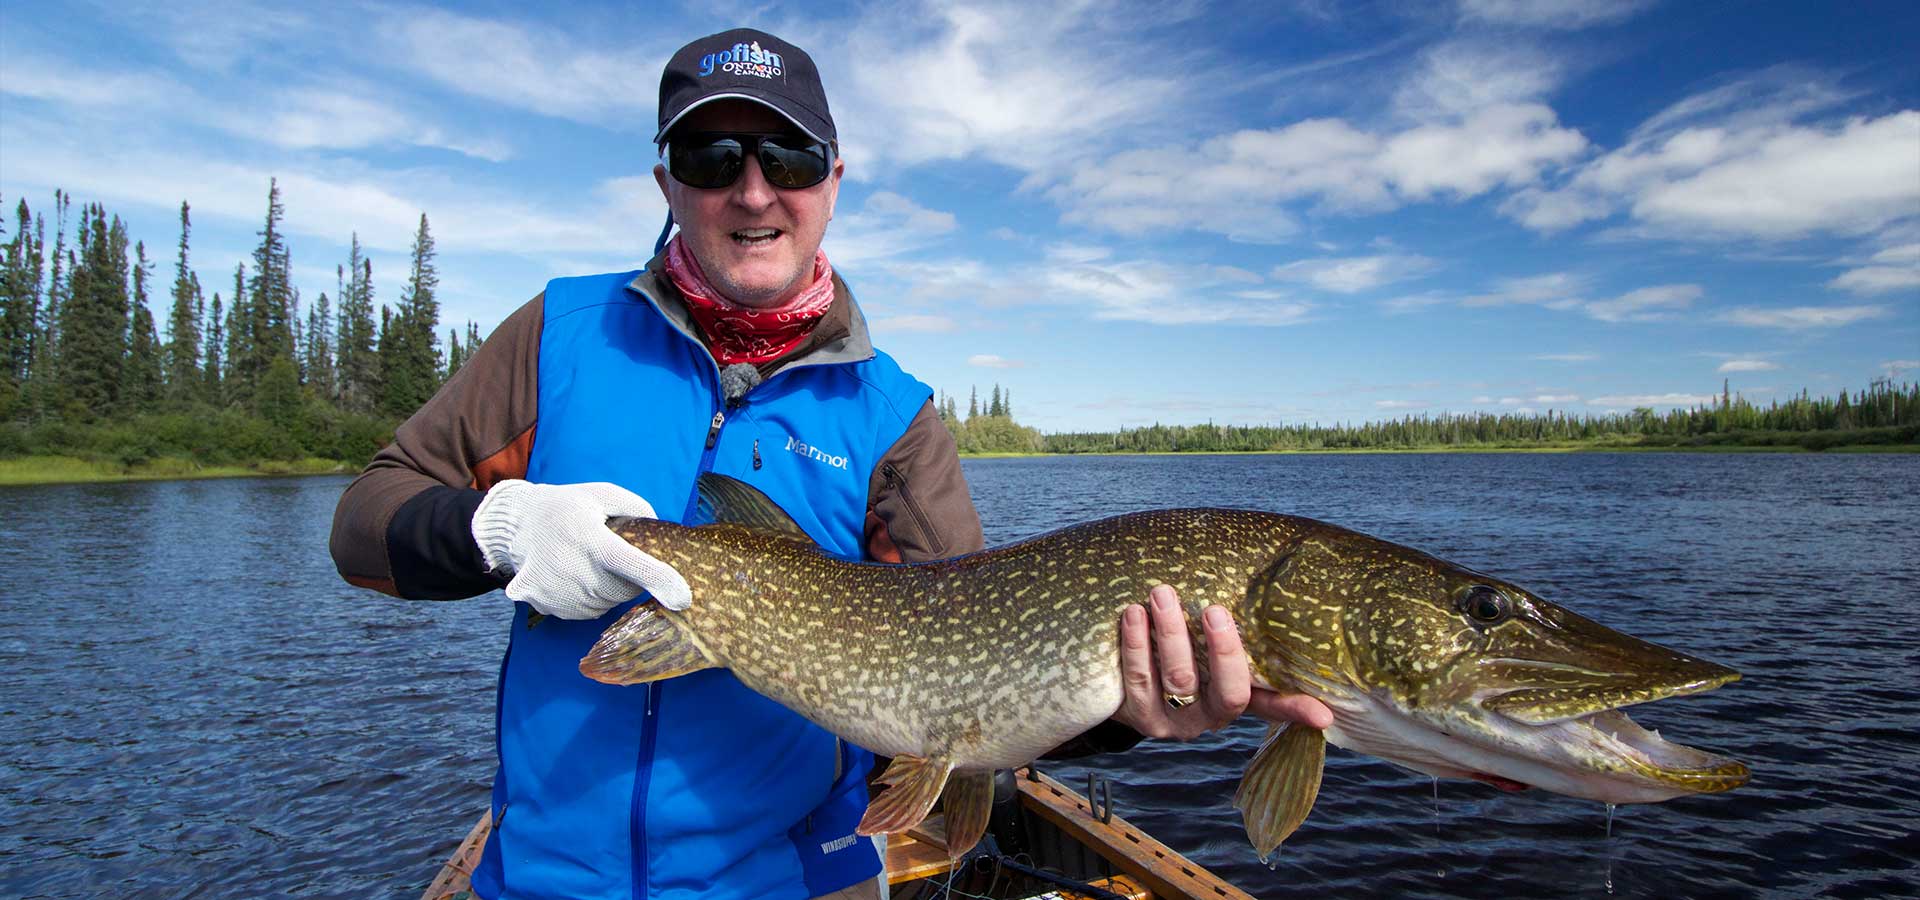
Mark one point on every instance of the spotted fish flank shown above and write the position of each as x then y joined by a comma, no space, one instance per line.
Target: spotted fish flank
960,667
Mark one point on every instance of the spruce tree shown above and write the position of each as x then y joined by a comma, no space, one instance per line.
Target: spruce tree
973,401
455,353
355,364
409,357
236,385
143,374
993,406
182,356
269,308
43,372
320,374
20,274
93,326
211,384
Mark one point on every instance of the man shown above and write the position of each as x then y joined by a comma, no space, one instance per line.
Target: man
734,344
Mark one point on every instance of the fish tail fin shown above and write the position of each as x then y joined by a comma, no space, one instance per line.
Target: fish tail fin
968,802
1280,785
645,645
912,786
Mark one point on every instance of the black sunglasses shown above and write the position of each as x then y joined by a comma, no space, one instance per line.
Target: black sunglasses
715,159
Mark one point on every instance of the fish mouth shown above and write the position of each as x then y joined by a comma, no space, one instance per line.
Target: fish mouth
1627,748
1605,755
1551,692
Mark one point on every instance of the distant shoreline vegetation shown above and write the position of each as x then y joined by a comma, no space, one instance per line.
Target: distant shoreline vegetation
259,383
1886,414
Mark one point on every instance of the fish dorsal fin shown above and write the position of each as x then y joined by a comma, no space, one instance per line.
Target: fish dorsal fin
730,500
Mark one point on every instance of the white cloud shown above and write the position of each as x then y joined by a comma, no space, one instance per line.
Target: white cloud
1849,180
1400,404
1461,77
1076,253
1531,289
1354,274
1565,290
1483,399
1653,400
1562,14
533,68
1748,365
1022,85
1650,304
887,224
1895,268
1557,398
990,361
1897,367
1234,184
1739,161
1803,317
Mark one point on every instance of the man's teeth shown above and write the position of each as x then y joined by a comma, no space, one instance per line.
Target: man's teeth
756,235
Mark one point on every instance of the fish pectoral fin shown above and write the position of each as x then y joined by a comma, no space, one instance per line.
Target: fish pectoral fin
912,786
1280,785
968,802
645,645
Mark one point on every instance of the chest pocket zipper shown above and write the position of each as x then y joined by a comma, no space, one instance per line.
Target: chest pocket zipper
893,477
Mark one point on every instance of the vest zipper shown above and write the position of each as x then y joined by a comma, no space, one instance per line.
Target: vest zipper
713,431
756,454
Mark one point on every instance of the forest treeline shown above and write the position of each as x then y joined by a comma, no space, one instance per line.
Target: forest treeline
1885,412
249,374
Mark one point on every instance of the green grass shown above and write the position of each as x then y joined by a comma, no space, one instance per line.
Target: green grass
71,470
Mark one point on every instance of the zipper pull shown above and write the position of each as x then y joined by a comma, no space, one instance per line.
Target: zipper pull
713,432
756,454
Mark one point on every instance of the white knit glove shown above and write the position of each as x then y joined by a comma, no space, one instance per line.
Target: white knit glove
566,562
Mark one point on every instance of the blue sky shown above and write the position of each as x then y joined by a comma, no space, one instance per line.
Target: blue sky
1123,213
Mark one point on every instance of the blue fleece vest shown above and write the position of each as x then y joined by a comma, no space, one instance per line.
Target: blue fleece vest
696,786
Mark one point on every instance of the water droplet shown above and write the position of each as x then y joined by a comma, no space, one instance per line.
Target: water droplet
1609,820
1272,861
1436,804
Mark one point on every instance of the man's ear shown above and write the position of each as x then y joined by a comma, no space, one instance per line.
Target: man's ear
660,178
833,191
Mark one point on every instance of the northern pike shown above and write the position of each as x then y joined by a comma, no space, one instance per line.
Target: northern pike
961,667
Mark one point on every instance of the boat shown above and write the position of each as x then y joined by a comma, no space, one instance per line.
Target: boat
1045,841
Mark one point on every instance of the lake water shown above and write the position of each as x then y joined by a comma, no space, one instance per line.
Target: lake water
195,706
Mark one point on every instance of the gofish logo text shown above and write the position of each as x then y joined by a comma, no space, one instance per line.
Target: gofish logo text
815,453
743,59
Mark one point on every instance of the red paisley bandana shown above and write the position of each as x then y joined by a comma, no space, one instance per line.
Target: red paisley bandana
740,334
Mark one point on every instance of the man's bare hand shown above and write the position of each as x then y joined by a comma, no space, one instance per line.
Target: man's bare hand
1157,663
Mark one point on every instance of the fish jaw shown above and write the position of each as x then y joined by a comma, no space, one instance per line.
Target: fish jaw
1602,756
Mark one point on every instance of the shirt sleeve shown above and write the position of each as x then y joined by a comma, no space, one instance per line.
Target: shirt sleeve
918,505
404,527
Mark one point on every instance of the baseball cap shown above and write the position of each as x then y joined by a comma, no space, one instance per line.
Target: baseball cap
745,64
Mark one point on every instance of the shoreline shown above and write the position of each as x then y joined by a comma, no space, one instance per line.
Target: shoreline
1601,448
25,471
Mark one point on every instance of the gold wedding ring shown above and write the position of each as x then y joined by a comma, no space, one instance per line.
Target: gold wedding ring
1179,700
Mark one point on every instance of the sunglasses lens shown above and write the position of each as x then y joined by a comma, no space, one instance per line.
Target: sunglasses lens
715,161
793,162
706,164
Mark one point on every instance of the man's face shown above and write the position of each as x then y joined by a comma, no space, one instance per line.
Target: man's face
728,228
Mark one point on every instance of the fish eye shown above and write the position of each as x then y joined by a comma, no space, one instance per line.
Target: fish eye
1486,605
